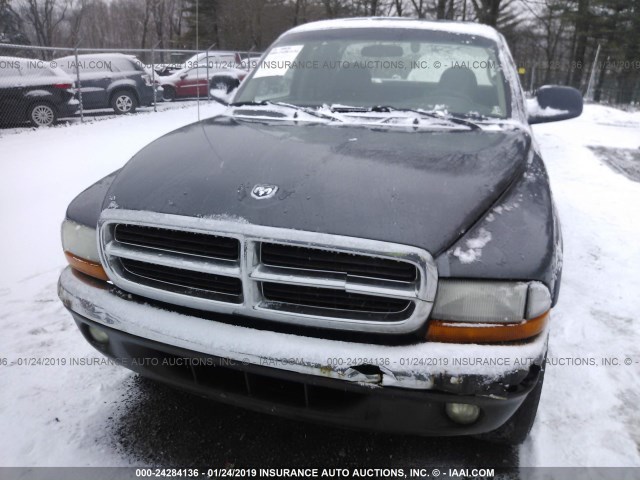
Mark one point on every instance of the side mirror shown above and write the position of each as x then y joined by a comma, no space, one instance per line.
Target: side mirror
553,103
183,76
222,89
224,84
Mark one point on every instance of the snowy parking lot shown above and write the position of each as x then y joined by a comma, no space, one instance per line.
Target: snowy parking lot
92,414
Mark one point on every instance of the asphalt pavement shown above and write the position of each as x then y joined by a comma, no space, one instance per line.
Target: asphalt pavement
160,426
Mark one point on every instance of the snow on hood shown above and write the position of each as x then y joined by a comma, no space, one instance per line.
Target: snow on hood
419,189
474,247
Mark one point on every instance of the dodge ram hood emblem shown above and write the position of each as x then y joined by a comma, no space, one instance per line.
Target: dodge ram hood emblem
264,191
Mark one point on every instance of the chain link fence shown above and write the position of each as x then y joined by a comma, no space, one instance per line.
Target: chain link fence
602,80
43,85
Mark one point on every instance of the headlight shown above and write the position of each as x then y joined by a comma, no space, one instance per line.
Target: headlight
80,240
80,245
488,311
490,302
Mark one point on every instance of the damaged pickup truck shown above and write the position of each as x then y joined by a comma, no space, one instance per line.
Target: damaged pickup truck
364,237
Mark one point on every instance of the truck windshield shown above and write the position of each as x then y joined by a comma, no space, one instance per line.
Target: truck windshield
399,68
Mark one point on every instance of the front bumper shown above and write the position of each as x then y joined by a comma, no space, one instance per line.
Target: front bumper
69,108
145,94
401,389
159,94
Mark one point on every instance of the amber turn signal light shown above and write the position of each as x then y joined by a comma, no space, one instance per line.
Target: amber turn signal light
458,332
89,268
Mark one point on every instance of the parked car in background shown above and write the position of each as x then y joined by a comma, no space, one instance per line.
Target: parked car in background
218,60
33,91
196,81
250,60
111,80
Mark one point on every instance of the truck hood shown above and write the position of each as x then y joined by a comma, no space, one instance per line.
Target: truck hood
423,188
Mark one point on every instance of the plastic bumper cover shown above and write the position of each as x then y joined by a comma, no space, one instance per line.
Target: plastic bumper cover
406,391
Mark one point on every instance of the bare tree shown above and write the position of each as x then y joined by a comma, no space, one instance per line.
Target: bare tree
44,17
159,10
500,14
420,8
487,11
332,8
581,34
75,19
145,22
549,23
299,11
175,15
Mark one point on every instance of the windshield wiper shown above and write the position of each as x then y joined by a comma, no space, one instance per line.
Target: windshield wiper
298,108
424,113
249,104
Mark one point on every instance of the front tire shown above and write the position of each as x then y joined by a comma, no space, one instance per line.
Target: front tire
123,102
168,94
517,428
42,115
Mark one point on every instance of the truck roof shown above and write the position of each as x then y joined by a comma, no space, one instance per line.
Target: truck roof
462,28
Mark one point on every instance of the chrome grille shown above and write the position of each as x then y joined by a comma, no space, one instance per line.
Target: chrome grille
189,243
303,278
331,261
187,282
384,307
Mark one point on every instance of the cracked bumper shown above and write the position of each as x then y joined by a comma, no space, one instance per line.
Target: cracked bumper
392,388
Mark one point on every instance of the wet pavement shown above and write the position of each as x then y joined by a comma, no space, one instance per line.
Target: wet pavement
161,426
623,160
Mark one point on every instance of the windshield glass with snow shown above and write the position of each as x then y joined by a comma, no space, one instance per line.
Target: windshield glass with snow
399,68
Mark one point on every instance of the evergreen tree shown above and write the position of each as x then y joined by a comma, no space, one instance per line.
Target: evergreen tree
202,16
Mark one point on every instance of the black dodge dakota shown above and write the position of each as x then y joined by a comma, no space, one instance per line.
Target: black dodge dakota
364,237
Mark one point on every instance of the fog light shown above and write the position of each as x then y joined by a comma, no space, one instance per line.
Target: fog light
98,335
463,413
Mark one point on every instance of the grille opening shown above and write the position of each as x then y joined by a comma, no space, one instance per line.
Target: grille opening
290,256
214,373
332,299
283,392
222,378
322,398
190,243
368,369
185,281
271,389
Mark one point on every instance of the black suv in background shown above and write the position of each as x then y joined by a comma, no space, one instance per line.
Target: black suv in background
32,91
111,80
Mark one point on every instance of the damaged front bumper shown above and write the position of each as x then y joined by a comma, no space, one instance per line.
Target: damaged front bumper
402,388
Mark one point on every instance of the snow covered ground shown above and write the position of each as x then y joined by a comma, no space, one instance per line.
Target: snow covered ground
42,171
588,414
